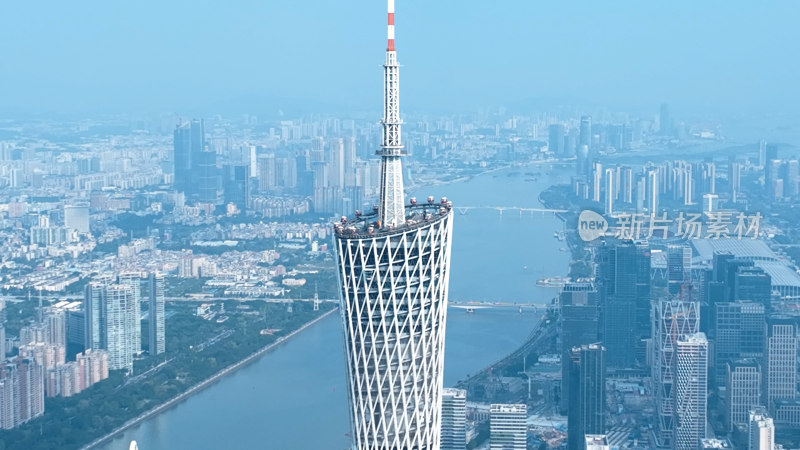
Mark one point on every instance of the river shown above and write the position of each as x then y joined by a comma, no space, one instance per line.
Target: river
295,396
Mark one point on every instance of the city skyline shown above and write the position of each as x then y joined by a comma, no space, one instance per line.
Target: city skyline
624,180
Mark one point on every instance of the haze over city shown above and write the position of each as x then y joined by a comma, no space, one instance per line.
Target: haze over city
575,227
205,56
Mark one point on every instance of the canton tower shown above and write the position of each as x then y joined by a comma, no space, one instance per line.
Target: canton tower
394,266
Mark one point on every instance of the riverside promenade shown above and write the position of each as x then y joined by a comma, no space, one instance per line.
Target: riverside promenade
204,384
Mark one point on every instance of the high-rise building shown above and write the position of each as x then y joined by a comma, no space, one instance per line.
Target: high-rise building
587,394
182,156
335,161
624,286
752,284
597,181
679,266
394,273
21,392
267,179
674,318
771,151
762,153
508,427
556,140
134,280
735,179
651,183
208,179
580,320
791,178
691,386
781,365
120,326
195,165
454,419
772,182
761,430
739,333
188,141
582,165
743,391
626,185
610,191
157,333
94,307
236,184
585,137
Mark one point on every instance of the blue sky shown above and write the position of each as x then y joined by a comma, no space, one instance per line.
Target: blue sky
170,55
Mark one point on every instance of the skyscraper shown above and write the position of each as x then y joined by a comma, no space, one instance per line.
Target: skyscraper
674,319
507,427
691,376
236,184
743,392
652,191
579,326
134,281
585,137
624,286
556,139
188,141
679,266
120,326
94,305
610,191
761,430
195,165
454,419
157,337
393,271
587,394
2,343
739,333
781,366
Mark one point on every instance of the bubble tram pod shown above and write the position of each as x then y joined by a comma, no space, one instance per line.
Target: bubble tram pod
393,266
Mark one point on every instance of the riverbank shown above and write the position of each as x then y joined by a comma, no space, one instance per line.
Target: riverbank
203,384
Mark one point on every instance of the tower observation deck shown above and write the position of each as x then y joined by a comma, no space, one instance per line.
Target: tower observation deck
394,267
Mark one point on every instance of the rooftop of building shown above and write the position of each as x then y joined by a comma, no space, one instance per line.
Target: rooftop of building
596,439
369,226
780,273
715,443
750,249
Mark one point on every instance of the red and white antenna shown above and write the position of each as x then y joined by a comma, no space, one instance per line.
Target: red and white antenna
390,27
392,207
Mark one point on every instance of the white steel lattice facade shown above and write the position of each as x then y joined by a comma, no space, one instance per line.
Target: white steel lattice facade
394,305
674,318
394,269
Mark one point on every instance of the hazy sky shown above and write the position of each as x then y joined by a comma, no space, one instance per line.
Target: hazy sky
170,55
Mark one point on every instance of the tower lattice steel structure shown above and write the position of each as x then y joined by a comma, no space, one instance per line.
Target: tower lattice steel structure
393,271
